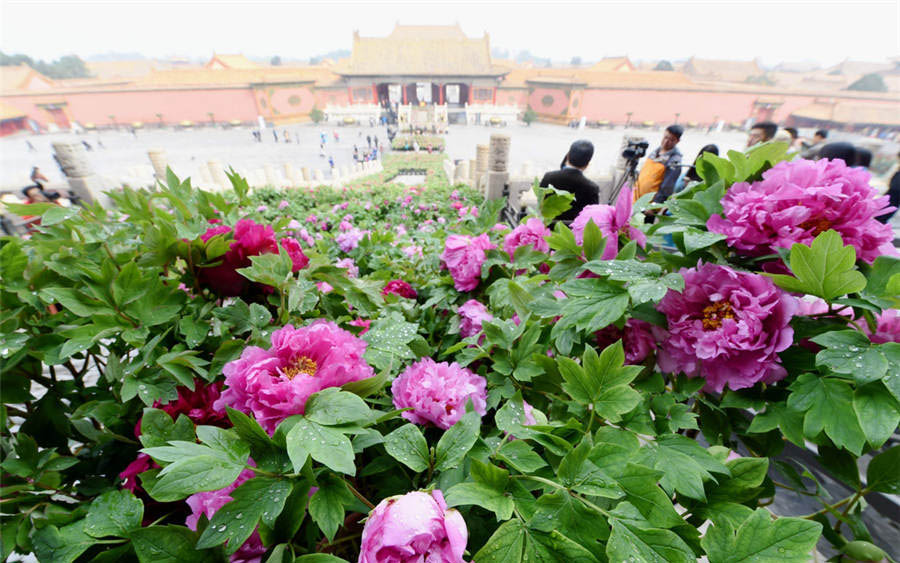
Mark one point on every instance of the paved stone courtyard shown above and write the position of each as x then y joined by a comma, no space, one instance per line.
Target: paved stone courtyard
541,144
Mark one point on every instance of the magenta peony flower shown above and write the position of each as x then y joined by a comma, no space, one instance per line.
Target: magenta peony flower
213,231
726,327
637,339
415,527
612,222
401,288
210,502
293,249
797,200
275,383
364,324
197,404
531,233
471,315
250,239
142,462
438,392
888,328
464,256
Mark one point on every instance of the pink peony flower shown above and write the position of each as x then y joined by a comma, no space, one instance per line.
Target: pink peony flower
213,231
349,240
401,288
294,224
612,222
415,527
349,265
438,392
888,328
275,383
531,233
797,200
283,204
324,287
210,502
464,256
637,339
726,327
262,209
412,251
293,249
471,315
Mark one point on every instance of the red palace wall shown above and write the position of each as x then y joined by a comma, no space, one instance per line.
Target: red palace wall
332,96
549,101
130,106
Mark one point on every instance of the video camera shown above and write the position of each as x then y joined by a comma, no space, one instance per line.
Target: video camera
634,150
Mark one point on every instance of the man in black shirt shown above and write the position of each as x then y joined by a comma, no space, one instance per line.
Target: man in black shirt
571,179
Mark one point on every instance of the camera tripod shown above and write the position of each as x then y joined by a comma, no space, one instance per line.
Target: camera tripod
630,175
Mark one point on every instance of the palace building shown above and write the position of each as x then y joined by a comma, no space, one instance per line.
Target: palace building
454,77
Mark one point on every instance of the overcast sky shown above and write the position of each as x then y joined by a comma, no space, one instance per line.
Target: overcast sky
824,31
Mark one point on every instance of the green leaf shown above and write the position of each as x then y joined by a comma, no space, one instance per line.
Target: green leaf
826,268
332,407
388,341
762,539
194,474
260,498
169,544
225,441
684,463
629,542
129,285
326,445
74,301
158,428
262,448
883,474
367,386
877,411
326,507
114,513
561,511
747,474
828,404
61,545
319,558
554,202
505,545
457,441
640,485
851,352
520,456
408,446
482,495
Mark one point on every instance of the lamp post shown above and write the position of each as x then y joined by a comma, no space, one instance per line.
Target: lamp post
676,118
628,121
112,118
212,117
159,116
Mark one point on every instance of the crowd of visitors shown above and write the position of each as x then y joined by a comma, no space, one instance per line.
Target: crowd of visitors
663,173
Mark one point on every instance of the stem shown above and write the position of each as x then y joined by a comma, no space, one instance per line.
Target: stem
111,257
358,495
832,507
853,499
344,539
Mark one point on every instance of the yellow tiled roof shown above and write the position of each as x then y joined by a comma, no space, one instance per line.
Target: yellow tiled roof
598,79
234,76
9,112
425,50
610,64
19,77
737,71
852,112
105,70
232,62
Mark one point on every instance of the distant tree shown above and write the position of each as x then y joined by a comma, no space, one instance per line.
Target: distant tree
576,61
69,66
276,61
761,79
869,83
316,115
663,65
529,116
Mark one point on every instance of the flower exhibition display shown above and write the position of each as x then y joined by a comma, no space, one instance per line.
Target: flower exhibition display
385,373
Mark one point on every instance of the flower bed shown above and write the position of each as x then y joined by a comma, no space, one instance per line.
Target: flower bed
406,142
385,373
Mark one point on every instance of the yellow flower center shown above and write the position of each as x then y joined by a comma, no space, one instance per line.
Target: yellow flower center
715,313
301,364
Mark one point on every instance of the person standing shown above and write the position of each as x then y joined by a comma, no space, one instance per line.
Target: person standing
818,141
893,196
571,178
661,168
